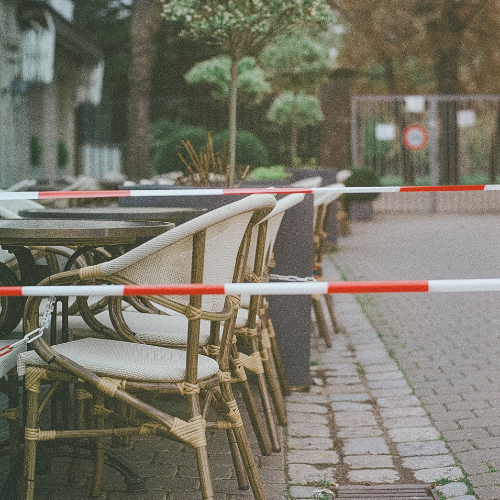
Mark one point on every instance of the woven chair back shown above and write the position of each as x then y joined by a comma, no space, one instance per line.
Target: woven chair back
168,258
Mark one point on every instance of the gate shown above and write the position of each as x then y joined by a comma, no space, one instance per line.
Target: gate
463,138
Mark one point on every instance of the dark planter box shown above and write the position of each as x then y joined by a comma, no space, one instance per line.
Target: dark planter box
293,250
361,211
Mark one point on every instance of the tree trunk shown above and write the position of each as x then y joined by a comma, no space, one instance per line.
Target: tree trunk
448,41
233,100
145,24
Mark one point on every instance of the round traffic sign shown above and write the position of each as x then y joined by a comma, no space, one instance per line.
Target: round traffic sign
415,137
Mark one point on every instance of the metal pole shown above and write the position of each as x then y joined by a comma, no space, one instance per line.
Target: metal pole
433,149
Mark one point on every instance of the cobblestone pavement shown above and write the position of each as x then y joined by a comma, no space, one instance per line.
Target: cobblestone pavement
446,344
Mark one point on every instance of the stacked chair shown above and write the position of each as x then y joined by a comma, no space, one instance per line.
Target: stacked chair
254,327
322,208
127,364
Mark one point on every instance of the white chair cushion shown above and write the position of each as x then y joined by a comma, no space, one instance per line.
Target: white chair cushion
153,329
126,360
8,361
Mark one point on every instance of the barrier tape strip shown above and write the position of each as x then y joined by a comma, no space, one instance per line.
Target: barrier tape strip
286,288
128,193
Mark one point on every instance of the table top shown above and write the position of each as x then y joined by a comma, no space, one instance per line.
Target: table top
75,232
166,214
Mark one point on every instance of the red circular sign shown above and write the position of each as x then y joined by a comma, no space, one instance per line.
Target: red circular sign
415,137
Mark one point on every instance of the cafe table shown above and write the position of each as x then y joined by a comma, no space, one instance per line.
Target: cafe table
17,235
177,215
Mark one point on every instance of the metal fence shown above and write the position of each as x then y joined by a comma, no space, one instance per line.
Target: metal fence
457,133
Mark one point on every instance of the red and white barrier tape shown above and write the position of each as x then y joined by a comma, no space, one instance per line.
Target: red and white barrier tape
299,288
130,193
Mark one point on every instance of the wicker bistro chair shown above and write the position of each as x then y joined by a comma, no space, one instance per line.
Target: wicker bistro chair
123,368
253,324
322,209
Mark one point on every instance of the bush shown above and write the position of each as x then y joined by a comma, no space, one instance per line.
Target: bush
361,177
274,172
250,150
166,151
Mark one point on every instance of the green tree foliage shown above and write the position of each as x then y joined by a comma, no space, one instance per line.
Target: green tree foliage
241,28
298,62
215,73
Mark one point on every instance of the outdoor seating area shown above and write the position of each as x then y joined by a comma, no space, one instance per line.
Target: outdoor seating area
195,369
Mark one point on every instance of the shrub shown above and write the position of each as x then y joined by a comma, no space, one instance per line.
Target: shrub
273,172
250,150
166,151
361,177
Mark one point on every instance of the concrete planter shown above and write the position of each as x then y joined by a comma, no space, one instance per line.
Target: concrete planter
361,211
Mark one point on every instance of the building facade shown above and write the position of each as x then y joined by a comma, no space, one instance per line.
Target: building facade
47,69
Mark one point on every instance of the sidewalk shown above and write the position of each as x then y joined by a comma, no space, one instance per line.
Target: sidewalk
361,424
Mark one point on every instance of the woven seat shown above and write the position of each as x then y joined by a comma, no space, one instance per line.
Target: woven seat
120,365
111,358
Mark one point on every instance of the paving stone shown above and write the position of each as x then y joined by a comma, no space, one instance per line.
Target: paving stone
369,461
349,397
354,432
488,492
309,418
400,412
302,397
302,491
382,368
350,406
428,462
306,408
346,388
394,423
430,475
384,375
399,401
354,418
413,434
312,457
366,446
393,392
387,384
303,473
417,448
305,430
312,443
373,476
453,489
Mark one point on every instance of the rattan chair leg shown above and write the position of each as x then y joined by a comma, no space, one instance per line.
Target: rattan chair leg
75,465
257,425
14,423
280,368
331,312
251,407
244,446
268,412
239,466
202,454
99,449
274,386
30,445
320,320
